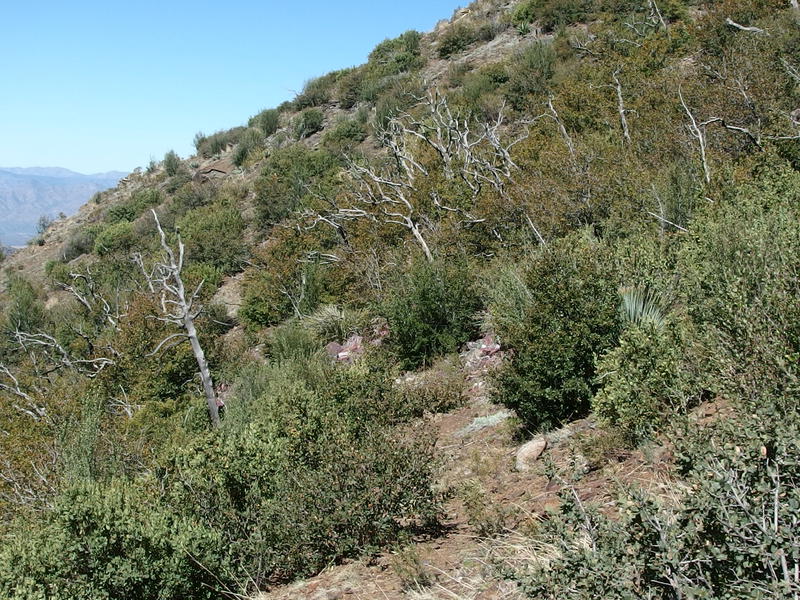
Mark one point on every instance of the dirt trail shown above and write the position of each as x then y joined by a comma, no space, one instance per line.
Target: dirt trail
488,495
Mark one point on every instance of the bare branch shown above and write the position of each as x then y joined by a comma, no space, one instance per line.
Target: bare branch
698,132
165,280
732,23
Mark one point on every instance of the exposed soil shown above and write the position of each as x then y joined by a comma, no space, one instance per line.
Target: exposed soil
478,445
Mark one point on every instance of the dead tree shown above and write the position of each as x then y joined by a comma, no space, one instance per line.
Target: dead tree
626,134
84,289
59,357
177,308
698,131
471,152
31,408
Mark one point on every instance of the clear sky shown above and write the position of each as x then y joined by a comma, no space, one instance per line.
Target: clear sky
103,85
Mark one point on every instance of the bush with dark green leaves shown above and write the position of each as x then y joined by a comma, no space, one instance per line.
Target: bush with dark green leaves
108,541
117,237
249,143
551,14
565,316
455,40
530,73
304,471
267,121
308,123
644,381
432,311
211,145
286,178
344,135
213,235
172,163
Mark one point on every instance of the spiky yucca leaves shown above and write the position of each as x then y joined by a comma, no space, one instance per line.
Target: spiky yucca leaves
643,305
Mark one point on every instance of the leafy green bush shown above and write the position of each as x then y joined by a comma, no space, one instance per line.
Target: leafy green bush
211,145
708,539
213,235
319,91
267,121
455,40
551,14
134,206
345,134
530,73
79,243
250,141
303,474
172,163
286,178
643,381
104,542
117,237
432,311
569,315
308,123
399,54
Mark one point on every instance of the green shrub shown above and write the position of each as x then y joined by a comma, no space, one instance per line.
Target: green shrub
213,235
569,316
250,141
79,243
117,237
134,206
643,381
318,91
208,146
302,473
105,542
432,312
708,538
455,40
267,121
286,177
330,323
739,270
395,56
551,14
172,163
530,73
308,123
345,134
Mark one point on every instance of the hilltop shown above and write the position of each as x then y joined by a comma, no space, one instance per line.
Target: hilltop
508,311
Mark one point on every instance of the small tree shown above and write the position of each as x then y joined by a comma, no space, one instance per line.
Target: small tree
164,279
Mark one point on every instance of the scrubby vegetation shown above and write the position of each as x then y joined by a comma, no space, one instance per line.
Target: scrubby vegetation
615,200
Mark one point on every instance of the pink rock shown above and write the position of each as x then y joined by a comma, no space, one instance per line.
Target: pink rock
333,349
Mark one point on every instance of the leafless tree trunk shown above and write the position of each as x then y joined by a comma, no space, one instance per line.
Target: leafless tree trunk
697,131
164,279
621,109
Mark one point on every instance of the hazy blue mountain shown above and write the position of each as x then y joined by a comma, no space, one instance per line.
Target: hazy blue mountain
28,193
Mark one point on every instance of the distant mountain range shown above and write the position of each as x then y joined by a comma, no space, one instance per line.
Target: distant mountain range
28,193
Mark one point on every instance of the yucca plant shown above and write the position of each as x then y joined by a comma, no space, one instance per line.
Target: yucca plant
642,305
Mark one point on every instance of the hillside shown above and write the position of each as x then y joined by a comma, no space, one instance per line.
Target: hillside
508,311
26,194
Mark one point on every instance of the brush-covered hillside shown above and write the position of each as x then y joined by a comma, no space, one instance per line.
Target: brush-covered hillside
509,311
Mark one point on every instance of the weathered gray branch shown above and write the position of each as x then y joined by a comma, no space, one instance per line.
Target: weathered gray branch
177,308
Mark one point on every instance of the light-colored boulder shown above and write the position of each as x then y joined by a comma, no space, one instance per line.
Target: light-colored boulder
530,452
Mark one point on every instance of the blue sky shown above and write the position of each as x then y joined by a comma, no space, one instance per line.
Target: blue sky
98,86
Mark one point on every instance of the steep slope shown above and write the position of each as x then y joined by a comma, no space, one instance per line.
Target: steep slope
510,310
